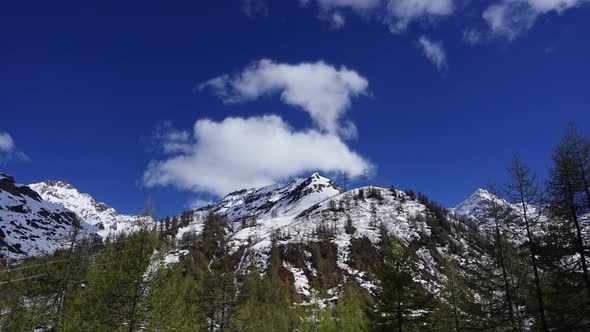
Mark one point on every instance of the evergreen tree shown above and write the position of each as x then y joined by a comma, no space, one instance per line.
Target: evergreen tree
116,288
565,255
350,312
502,219
167,302
402,304
524,191
265,304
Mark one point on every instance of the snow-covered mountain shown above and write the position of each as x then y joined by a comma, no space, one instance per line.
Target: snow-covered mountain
476,206
267,203
305,218
104,218
29,225
351,224
277,200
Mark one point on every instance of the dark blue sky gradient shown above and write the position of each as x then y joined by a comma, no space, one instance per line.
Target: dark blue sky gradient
83,86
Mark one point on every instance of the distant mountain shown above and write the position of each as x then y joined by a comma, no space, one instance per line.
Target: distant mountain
475,207
30,225
104,218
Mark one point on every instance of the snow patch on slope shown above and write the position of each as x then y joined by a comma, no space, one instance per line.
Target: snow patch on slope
104,218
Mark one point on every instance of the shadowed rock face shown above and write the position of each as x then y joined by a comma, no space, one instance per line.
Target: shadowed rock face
28,224
8,185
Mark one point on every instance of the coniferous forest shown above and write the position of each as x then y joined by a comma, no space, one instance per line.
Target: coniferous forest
528,270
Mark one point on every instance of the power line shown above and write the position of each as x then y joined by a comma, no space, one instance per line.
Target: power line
96,255
32,266
23,279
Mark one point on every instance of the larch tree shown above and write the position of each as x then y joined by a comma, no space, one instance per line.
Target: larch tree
523,189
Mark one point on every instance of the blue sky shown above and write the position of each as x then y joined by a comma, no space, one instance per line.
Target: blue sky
94,94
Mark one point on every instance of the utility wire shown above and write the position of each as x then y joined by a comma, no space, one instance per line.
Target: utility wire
96,255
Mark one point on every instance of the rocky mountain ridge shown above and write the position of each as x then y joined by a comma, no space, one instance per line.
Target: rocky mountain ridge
29,225
105,219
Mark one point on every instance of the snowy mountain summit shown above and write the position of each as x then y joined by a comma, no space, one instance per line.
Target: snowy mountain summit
476,206
275,200
104,218
30,225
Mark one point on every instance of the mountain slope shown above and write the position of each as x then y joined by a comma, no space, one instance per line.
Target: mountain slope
30,225
348,226
291,199
266,203
104,218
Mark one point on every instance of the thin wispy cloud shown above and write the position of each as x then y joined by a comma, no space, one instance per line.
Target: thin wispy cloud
337,20
434,52
472,36
253,8
8,150
6,143
197,203
500,20
509,19
396,14
403,12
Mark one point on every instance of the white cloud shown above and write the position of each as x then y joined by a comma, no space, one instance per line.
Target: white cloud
6,142
434,51
196,203
241,153
322,90
354,4
510,18
406,11
397,14
254,8
8,149
472,36
337,20
171,140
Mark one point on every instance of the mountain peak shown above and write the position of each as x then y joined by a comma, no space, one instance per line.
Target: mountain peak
483,193
59,184
30,225
316,175
275,200
476,205
103,217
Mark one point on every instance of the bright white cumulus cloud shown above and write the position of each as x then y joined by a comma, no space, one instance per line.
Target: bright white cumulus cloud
510,18
434,52
320,89
238,153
